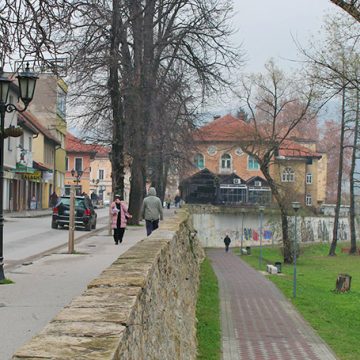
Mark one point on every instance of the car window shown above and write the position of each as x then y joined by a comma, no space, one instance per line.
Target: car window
78,202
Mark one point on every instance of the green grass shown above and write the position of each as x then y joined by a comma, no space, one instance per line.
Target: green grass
335,316
208,315
6,282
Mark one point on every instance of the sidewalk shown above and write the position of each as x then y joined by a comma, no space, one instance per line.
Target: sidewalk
257,322
42,288
27,213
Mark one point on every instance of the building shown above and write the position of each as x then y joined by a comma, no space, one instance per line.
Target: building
297,168
49,107
78,164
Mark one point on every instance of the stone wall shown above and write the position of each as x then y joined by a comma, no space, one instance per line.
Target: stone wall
213,223
142,307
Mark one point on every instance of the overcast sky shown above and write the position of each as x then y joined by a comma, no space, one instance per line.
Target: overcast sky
265,28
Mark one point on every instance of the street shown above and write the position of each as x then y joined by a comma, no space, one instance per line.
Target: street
24,238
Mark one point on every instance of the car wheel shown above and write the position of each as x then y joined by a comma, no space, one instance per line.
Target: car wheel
54,225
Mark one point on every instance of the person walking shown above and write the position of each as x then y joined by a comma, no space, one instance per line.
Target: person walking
120,215
168,201
227,242
151,211
53,199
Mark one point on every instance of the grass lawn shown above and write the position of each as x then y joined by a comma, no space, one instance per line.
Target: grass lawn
335,316
208,315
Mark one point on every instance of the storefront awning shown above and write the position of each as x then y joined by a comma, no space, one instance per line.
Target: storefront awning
40,166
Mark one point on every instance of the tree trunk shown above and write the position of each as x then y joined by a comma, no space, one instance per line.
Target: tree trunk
338,196
288,256
117,151
352,180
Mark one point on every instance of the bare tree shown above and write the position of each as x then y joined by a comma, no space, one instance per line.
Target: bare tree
277,105
352,7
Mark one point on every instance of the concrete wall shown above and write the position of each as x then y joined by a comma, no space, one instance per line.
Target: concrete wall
141,307
213,223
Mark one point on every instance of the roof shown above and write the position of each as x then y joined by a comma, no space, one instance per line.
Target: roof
225,128
292,149
76,145
31,122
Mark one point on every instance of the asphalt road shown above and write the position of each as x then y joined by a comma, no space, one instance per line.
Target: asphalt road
28,238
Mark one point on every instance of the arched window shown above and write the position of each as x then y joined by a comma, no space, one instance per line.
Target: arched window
288,175
199,161
226,162
252,163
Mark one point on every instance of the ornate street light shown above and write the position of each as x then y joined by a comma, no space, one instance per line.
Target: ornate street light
27,82
296,206
261,210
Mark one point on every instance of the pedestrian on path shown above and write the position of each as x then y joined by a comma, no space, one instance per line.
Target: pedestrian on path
227,242
151,211
168,201
120,215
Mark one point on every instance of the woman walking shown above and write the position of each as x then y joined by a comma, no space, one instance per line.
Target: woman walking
120,215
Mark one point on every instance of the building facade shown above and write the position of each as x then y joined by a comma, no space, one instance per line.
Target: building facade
297,168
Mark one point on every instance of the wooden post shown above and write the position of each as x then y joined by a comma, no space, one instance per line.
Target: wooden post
71,221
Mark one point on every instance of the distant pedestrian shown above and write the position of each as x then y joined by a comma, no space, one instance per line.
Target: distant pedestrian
168,201
227,242
177,200
151,211
53,199
120,215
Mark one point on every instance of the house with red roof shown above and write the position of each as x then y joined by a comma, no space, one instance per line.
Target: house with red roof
78,163
297,168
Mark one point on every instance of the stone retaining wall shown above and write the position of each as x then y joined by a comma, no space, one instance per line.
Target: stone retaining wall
142,307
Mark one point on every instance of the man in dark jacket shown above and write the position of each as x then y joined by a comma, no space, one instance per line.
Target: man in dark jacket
152,211
227,242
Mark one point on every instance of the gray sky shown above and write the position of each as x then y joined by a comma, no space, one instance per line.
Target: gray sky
266,27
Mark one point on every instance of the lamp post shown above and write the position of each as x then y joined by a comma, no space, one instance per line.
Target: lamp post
296,206
76,174
261,210
242,231
27,82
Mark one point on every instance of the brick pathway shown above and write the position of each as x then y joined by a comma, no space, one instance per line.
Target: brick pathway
258,323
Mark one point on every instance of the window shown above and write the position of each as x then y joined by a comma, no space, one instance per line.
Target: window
101,174
253,164
30,143
309,178
212,150
199,161
226,161
67,164
288,175
78,164
257,183
21,143
308,200
61,102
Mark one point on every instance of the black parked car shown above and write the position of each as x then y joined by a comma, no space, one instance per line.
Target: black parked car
85,215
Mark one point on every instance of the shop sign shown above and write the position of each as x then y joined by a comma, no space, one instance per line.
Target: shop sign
32,176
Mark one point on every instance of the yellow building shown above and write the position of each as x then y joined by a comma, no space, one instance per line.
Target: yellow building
49,107
298,170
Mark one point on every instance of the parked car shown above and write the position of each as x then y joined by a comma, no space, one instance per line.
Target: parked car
85,215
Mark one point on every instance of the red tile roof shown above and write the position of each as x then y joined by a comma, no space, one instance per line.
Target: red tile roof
74,144
225,128
230,129
292,149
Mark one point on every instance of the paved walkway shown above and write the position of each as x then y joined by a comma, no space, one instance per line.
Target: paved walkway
258,323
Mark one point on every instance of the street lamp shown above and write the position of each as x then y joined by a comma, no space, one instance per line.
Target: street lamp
261,210
242,231
76,174
296,206
27,82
